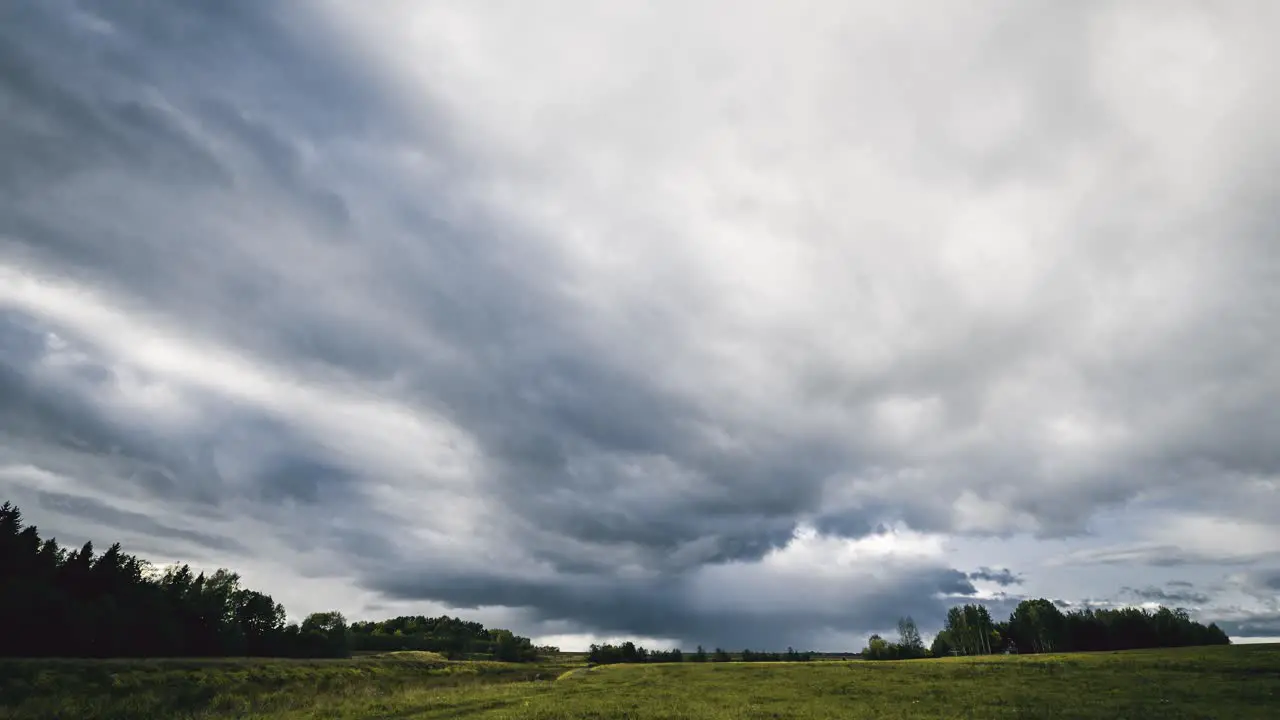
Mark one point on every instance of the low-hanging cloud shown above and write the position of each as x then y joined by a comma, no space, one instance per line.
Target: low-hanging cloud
1170,595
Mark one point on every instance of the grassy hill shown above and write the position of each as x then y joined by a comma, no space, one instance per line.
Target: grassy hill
1214,682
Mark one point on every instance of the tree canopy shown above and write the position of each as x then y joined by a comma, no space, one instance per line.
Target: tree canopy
77,603
1039,626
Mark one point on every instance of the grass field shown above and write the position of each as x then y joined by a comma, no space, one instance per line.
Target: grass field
1216,682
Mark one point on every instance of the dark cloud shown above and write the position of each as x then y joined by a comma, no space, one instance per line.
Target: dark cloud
1170,555
43,410
1171,595
421,318
672,608
278,158
1263,583
104,514
1253,625
1004,577
303,479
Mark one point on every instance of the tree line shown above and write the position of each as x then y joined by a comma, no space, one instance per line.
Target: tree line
453,637
791,655
74,602
60,602
1039,626
629,652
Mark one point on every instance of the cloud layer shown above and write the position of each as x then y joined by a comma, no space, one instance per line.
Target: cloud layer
751,329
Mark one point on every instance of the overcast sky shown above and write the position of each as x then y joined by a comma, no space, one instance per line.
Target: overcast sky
745,324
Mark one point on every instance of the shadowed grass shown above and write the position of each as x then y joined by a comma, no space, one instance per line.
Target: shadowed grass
240,687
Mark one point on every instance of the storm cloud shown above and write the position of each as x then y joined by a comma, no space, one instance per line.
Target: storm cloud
650,322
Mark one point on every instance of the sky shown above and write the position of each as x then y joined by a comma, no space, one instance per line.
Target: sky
752,326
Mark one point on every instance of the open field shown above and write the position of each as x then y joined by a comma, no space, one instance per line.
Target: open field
1215,682
367,686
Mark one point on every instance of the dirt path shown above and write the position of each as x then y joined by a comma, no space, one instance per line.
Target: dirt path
570,673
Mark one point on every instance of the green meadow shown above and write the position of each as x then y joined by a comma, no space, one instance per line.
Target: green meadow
1211,682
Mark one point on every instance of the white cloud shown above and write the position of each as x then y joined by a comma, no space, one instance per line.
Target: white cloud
854,200
419,457
817,571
